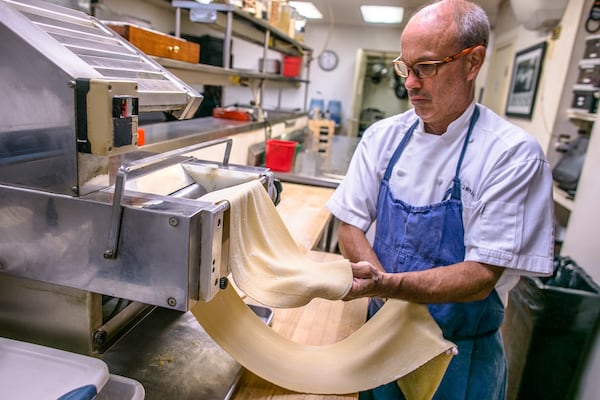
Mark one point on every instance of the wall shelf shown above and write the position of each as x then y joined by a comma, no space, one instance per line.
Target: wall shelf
234,22
580,236
228,19
580,115
562,198
209,74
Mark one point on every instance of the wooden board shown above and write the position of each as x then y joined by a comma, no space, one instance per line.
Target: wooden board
159,44
303,211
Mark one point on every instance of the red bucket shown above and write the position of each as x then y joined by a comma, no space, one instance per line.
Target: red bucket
292,66
280,155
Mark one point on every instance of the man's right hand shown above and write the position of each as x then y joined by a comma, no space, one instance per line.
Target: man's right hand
367,280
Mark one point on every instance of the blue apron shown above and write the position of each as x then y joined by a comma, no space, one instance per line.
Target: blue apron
410,238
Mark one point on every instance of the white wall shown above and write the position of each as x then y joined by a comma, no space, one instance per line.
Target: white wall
338,84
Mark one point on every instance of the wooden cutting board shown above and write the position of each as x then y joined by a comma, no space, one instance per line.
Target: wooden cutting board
302,208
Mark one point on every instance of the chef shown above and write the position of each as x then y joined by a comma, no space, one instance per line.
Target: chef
461,201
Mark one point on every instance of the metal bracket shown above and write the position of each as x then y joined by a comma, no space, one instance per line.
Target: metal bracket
140,165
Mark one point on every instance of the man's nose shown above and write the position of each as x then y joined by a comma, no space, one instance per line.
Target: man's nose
411,81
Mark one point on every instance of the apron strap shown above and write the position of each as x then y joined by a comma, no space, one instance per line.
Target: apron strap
454,191
399,150
474,119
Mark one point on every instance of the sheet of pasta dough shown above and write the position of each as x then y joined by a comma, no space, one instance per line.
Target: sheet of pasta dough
401,342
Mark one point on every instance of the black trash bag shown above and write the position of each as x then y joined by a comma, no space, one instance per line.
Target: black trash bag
568,169
567,274
550,324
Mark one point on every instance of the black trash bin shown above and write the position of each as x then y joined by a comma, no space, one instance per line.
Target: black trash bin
549,326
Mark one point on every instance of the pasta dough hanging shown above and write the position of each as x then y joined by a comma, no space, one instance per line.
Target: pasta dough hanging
401,342
266,263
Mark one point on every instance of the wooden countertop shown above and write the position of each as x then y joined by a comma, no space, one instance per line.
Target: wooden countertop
302,208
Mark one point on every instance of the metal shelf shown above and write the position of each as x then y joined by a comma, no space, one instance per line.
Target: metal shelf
240,24
209,74
237,23
581,115
561,198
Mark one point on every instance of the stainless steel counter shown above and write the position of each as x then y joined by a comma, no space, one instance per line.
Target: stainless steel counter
159,136
172,356
310,167
321,169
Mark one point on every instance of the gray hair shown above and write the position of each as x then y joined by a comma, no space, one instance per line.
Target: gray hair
472,23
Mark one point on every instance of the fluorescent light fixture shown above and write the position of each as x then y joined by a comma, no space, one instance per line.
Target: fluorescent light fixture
382,14
306,9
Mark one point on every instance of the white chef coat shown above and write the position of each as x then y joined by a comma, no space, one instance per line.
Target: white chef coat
506,187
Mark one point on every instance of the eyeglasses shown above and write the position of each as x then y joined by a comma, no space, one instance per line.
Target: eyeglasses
426,69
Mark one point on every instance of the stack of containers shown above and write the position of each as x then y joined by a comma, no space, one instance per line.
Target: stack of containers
31,371
586,90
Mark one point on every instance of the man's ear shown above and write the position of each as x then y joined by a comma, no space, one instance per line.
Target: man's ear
476,59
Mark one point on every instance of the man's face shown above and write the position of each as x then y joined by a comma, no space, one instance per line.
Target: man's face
441,98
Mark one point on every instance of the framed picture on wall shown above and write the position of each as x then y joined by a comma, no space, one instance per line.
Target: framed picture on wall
526,73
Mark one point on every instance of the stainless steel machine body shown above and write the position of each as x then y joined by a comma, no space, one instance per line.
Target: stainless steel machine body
72,92
85,216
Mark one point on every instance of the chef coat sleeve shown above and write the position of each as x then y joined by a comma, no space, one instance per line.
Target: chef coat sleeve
511,223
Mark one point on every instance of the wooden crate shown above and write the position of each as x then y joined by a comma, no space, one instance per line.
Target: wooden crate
322,131
159,44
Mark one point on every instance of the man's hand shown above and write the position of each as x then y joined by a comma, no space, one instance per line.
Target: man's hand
461,282
367,281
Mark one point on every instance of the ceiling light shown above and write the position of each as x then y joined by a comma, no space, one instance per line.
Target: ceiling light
382,14
306,9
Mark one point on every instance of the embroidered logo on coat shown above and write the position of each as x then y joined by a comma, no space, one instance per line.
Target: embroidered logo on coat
467,189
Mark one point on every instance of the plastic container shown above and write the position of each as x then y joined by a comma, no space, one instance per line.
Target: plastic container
271,66
284,17
316,108
592,47
334,107
121,388
291,66
30,371
589,74
585,100
549,326
280,155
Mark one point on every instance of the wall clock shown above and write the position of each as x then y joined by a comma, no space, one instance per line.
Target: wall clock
328,60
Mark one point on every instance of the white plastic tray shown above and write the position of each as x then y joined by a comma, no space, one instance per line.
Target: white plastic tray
29,371
122,388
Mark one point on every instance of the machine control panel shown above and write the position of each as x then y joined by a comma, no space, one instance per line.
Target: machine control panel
124,110
107,116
